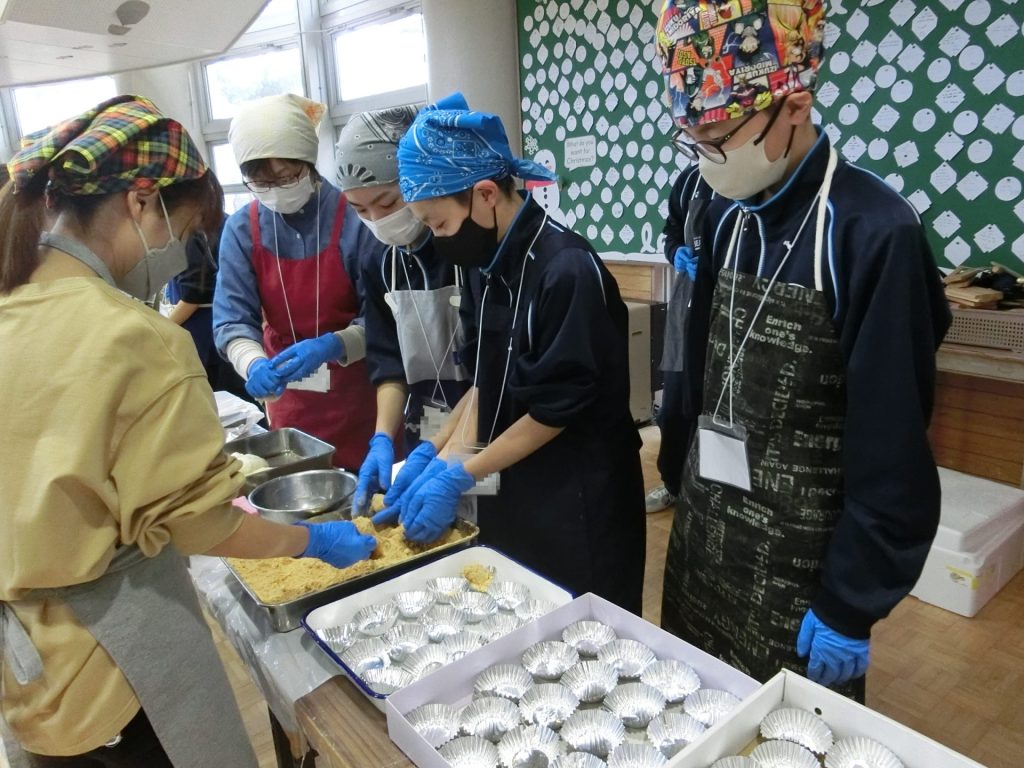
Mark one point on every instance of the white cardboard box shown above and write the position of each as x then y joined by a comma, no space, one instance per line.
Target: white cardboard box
979,546
505,569
454,685
846,717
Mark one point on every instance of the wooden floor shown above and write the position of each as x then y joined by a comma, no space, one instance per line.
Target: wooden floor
959,681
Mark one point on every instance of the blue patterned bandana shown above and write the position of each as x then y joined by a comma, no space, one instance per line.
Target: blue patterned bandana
449,148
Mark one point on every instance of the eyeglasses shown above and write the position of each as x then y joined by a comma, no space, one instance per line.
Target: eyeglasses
284,182
712,148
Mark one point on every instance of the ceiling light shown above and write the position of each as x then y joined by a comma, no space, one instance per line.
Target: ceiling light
132,12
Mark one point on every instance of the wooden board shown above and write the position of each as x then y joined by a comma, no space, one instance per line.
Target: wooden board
636,281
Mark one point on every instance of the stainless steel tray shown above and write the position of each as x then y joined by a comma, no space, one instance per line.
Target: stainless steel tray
285,617
287,450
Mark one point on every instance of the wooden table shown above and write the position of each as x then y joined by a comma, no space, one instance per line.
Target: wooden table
345,729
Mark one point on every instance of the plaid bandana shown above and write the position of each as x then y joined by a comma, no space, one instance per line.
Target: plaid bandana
124,143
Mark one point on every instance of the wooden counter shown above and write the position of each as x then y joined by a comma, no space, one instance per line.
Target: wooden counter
345,729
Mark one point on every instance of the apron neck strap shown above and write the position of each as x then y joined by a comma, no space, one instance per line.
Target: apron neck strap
76,250
819,234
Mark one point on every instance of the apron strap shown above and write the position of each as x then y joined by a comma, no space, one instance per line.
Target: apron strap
819,235
17,648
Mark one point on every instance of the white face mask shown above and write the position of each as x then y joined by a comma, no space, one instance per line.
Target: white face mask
288,199
398,228
746,172
157,267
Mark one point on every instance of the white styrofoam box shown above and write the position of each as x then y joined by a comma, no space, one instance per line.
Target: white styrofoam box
505,569
846,718
454,685
979,546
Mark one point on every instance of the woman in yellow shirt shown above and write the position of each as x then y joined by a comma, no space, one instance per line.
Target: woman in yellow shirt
113,451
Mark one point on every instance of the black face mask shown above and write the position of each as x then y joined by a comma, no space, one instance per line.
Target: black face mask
472,245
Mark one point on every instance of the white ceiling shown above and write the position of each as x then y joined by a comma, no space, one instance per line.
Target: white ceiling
46,40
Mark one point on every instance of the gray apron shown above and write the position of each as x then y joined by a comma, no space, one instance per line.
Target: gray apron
743,566
145,614
677,321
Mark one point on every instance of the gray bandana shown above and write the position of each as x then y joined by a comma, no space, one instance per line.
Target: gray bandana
366,150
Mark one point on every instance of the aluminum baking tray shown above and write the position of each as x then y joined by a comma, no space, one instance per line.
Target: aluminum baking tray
287,616
286,450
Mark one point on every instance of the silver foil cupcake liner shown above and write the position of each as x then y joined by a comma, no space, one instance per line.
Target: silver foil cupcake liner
675,679
470,752
709,705
510,681
529,746
447,588
462,644
509,595
737,761
783,754
426,660
529,610
548,704
387,680
635,704
596,731
670,732
591,681
490,718
437,723
402,640
636,756
549,660
588,637
629,658
365,655
340,639
499,625
443,621
476,606
414,603
799,726
861,752
375,620
580,760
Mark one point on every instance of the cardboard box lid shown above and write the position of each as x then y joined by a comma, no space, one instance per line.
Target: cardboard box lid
975,511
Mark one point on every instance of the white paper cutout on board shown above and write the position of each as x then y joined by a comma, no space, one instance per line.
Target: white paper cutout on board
1019,210
848,114
946,224
957,252
902,12
977,12
943,178
878,148
886,76
989,78
1018,159
950,98
920,200
890,46
979,151
924,23
949,146
972,185
911,57
966,122
834,134
998,118
1018,247
971,57
901,91
989,238
854,148
885,118
954,41
863,89
1015,83
1008,189
828,93
924,120
952,5
895,181
857,24
906,154
1002,30
864,53
939,69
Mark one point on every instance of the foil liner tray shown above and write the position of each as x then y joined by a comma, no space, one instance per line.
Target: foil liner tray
420,633
288,615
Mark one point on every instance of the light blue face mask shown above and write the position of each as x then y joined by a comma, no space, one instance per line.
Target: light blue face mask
157,267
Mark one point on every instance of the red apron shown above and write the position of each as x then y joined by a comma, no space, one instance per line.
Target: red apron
346,416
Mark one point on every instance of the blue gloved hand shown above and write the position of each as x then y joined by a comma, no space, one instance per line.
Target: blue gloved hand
303,358
396,510
835,658
415,463
263,381
431,509
375,473
337,543
685,259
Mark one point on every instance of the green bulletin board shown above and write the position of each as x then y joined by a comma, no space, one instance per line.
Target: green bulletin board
927,94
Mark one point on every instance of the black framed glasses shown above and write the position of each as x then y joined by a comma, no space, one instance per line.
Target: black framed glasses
284,182
711,149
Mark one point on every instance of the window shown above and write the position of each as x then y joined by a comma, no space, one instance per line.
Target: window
224,165
380,57
234,81
277,13
235,200
42,106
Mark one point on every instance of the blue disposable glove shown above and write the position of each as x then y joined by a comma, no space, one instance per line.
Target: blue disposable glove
337,543
396,510
415,463
431,509
303,358
685,259
835,658
375,473
263,381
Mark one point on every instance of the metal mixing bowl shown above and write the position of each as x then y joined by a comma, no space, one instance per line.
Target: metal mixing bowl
296,498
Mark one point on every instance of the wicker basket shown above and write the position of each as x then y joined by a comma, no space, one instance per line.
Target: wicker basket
987,328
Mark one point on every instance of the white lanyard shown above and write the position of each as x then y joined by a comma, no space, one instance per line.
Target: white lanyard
280,274
733,250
